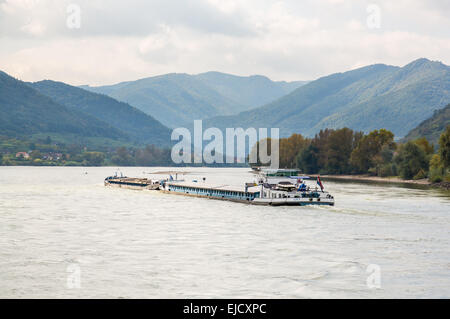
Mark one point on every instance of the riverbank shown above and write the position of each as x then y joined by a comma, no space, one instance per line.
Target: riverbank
391,180
369,178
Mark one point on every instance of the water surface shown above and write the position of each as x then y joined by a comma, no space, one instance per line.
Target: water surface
57,221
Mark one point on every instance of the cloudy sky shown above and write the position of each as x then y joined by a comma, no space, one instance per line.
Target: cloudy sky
114,41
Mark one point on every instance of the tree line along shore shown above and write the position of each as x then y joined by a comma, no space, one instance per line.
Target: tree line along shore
352,155
343,152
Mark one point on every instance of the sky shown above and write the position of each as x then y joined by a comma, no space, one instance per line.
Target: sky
101,42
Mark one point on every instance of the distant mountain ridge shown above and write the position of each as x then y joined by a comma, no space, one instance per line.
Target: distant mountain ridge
250,91
372,97
25,112
432,127
177,98
137,125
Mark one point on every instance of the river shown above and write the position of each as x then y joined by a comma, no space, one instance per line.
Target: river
63,234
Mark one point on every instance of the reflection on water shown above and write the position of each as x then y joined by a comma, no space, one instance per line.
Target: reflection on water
63,234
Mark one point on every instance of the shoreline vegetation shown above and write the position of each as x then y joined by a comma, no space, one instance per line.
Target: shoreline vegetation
334,154
351,155
378,179
386,180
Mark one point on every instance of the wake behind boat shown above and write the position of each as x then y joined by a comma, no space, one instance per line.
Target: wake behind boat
272,187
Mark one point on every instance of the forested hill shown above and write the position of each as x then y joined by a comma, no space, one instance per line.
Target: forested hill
368,98
433,127
24,112
177,98
140,127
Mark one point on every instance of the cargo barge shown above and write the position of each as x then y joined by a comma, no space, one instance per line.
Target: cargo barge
272,187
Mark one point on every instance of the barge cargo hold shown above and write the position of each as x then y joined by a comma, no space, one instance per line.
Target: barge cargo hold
132,183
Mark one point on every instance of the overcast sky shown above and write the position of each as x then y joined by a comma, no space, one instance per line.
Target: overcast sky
115,41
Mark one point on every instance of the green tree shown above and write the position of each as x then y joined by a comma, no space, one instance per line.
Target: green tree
321,142
384,165
94,158
151,156
437,170
412,161
444,147
308,158
364,156
36,154
340,147
289,148
123,157
425,145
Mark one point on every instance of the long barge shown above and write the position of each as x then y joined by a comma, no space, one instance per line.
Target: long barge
272,187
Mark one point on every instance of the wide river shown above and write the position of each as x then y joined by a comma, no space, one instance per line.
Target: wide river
65,235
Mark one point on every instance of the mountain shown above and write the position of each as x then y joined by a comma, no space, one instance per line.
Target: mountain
137,125
25,112
249,91
431,128
176,99
368,98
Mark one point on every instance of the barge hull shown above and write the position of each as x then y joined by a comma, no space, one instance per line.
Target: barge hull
274,202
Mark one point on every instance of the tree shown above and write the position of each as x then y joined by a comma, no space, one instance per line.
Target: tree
289,149
444,147
328,152
307,159
94,158
123,157
265,144
152,155
437,170
35,154
369,147
321,142
383,162
340,147
412,161
425,145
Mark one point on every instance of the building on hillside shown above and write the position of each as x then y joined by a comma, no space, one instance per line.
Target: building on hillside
23,155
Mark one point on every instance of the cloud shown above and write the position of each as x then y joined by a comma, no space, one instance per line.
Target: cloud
285,40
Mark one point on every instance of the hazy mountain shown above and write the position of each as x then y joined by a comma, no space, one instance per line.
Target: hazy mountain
177,99
24,112
139,126
372,97
431,128
249,91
